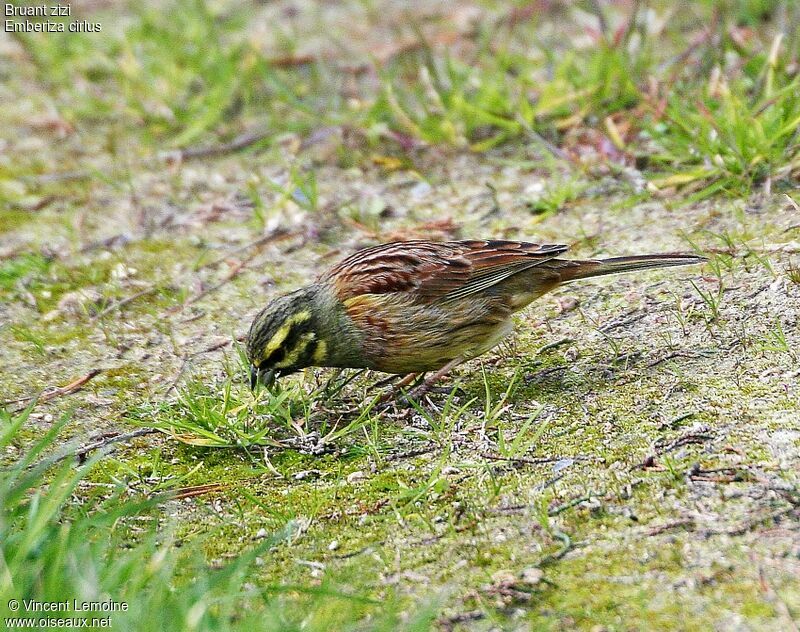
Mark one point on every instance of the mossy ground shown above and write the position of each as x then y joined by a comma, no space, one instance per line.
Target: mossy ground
640,473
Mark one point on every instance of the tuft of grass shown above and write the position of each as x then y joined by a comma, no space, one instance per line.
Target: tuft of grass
775,340
53,549
793,272
300,187
226,413
712,300
732,132
555,197
501,96
21,268
28,335
58,544
185,75
179,79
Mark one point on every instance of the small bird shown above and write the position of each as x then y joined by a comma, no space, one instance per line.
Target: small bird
410,307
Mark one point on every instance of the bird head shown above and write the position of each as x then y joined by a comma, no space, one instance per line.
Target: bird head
284,338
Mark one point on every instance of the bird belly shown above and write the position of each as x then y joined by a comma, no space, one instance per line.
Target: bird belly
409,338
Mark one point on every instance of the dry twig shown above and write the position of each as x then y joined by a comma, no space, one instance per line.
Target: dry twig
70,388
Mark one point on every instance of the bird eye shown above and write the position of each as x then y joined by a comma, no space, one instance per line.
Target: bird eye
276,356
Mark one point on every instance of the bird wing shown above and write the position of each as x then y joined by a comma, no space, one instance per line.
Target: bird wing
435,270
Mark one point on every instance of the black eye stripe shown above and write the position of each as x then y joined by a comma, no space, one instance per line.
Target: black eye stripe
296,331
275,356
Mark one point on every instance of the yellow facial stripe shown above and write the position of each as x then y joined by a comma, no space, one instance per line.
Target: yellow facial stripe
277,339
321,352
294,354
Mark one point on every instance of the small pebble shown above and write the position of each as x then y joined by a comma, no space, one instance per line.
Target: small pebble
356,477
532,575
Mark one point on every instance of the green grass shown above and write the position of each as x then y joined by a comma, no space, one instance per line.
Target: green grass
727,129
309,507
242,418
722,119
179,79
732,133
21,269
114,545
501,96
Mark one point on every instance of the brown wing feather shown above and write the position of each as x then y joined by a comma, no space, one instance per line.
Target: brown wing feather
433,270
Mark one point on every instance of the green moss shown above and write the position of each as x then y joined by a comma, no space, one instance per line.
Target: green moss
44,338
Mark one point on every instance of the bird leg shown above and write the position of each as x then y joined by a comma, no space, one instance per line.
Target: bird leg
395,390
420,390
387,381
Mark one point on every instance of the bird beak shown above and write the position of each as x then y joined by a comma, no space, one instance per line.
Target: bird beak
257,376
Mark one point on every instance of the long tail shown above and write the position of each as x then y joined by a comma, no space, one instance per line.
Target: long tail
599,267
